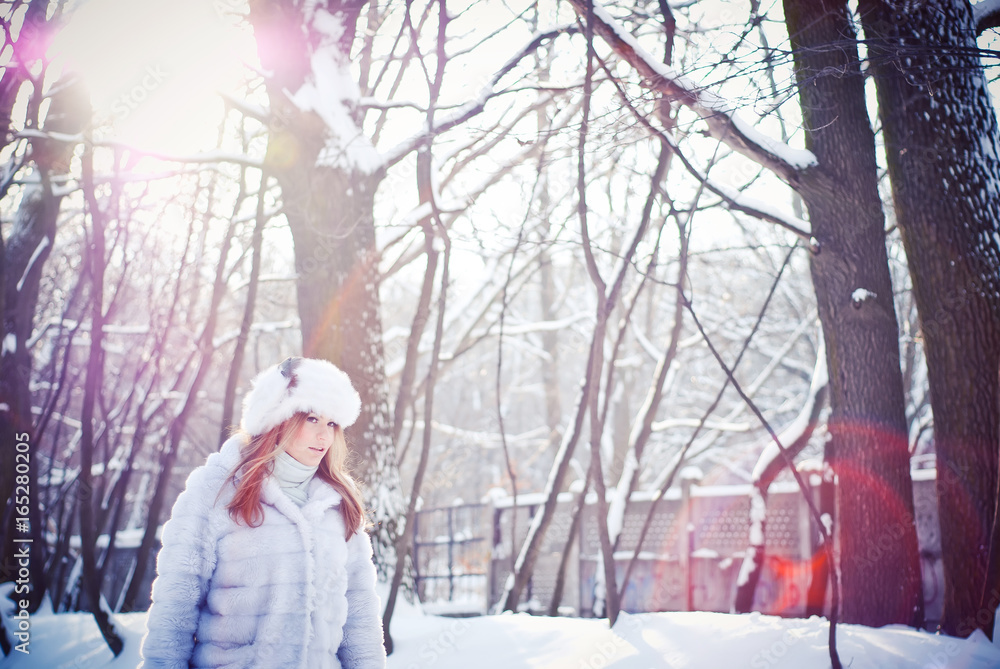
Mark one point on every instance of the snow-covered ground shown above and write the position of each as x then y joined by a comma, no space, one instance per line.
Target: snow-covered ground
642,641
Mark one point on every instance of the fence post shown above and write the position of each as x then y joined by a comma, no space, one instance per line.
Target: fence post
496,550
689,477
451,556
486,516
804,513
529,587
416,556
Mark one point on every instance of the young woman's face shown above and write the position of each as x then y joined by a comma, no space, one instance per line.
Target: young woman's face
313,440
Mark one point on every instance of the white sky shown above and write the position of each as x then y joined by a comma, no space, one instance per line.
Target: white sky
155,67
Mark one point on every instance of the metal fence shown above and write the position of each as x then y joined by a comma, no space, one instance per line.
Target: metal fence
689,561
451,557
462,555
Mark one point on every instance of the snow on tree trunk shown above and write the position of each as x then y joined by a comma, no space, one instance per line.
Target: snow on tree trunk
524,564
329,172
940,133
642,429
769,465
867,422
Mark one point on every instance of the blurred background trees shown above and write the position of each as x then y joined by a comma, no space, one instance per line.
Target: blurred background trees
518,212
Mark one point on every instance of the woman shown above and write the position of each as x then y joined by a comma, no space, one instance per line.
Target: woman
265,560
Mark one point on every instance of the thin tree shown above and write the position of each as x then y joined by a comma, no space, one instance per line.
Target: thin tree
771,462
96,261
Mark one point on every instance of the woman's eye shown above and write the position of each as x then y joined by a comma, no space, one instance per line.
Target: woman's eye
312,419
332,424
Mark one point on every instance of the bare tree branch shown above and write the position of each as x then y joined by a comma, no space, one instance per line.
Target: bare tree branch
723,123
734,199
476,106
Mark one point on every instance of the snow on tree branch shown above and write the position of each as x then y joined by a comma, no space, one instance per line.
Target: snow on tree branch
246,108
205,157
331,92
796,433
733,198
42,247
720,115
718,425
738,201
772,460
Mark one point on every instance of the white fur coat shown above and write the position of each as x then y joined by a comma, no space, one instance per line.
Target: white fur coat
291,593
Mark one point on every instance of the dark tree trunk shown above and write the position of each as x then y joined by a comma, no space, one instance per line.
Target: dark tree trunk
854,294
940,133
239,350
328,199
167,458
329,212
24,254
96,252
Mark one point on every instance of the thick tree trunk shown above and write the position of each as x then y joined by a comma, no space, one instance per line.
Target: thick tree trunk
940,134
328,192
330,216
854,293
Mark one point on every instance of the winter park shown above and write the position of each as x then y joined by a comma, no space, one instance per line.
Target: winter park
500,333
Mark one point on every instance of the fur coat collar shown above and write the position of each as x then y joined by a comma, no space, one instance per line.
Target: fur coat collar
321,495
291,593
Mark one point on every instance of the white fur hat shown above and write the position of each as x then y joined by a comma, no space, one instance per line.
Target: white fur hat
299,384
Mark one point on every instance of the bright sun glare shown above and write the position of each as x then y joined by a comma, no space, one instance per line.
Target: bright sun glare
155,68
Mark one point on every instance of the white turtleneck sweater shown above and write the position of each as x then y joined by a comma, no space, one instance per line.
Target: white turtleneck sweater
293,477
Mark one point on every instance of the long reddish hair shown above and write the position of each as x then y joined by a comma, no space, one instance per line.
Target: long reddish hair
256,463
